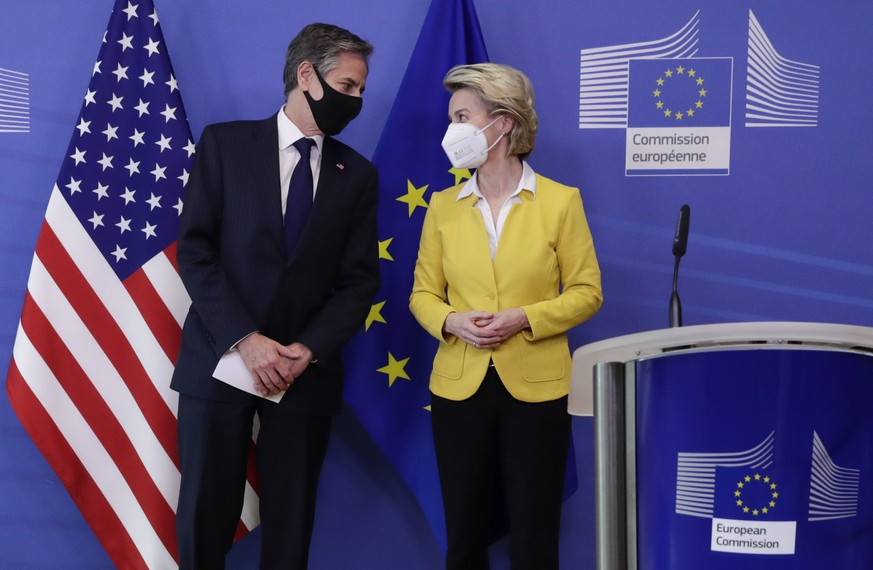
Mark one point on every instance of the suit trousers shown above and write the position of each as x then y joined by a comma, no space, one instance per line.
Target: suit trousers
490,443
214,447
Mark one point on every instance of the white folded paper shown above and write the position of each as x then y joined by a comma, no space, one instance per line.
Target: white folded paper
232,371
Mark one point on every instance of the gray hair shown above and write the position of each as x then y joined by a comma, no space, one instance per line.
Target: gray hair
321,45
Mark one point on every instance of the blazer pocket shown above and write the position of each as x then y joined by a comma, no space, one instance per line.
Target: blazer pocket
449,360
544,360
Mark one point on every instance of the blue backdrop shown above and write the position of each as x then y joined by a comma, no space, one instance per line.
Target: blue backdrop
783,236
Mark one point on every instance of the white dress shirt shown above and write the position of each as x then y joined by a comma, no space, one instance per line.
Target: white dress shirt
528,181
289,155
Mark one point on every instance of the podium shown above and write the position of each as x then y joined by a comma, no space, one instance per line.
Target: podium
738,445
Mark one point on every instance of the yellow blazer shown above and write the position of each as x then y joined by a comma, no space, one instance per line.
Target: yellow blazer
545,264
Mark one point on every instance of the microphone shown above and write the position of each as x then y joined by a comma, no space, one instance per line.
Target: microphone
680,241
680,244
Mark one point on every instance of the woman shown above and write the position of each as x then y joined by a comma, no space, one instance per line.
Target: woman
505,267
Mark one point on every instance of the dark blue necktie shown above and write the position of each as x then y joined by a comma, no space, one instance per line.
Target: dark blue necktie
299,200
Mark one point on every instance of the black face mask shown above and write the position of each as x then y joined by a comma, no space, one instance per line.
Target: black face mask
334,110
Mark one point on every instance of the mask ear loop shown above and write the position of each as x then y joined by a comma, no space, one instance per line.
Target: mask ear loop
485,128
495,143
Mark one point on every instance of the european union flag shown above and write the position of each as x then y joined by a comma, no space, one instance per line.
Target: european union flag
684,92
390,362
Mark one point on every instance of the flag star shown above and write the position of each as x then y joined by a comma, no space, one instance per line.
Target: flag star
74,186
178,206
126,42
183,177
394,369
143,108
414,197
383,249
102,191
123,225
120,73
133,167
104,36
115,102
128,196
96,220
172,83
152,47
119,253
154,202
375,315
146,77
154,17
110,132
89,98
149,230
460,174
189,148
168,113
164,143
96,68
136,137
83,126
131,11
105,162
159,172
78,156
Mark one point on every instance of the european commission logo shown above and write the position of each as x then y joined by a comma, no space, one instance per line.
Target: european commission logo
14,101
753,506
679,116
686,112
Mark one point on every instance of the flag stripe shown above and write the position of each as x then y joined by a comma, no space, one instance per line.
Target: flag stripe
91,266
109,339
100,492
154,312
96,412
163,273
100,374
39,424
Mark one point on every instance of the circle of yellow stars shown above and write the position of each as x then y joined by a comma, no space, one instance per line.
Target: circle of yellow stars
679,73
756,479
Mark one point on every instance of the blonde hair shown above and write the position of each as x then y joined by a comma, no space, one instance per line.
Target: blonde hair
503,90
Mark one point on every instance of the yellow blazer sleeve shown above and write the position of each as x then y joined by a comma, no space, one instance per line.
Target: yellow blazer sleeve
581,295
428,301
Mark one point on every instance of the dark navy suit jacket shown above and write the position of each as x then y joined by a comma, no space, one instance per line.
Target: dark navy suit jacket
232,259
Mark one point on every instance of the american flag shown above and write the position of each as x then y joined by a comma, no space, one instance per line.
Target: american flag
101,322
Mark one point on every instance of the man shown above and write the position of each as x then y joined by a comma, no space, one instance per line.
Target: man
282,287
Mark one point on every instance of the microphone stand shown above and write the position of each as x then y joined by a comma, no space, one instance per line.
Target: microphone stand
675,303
680,243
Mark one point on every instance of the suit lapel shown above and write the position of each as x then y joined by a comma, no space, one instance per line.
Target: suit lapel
264,161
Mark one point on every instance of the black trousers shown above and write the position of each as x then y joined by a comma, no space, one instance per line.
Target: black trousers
493,437
214,446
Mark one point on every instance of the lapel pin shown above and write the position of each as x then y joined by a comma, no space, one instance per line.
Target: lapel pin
340,165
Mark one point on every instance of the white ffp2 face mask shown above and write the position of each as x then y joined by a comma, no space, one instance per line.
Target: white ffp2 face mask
466,146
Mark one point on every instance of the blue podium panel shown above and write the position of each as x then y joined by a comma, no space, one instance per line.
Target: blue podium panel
754,459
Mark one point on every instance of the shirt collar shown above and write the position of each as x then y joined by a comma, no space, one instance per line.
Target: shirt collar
528,181
289,133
